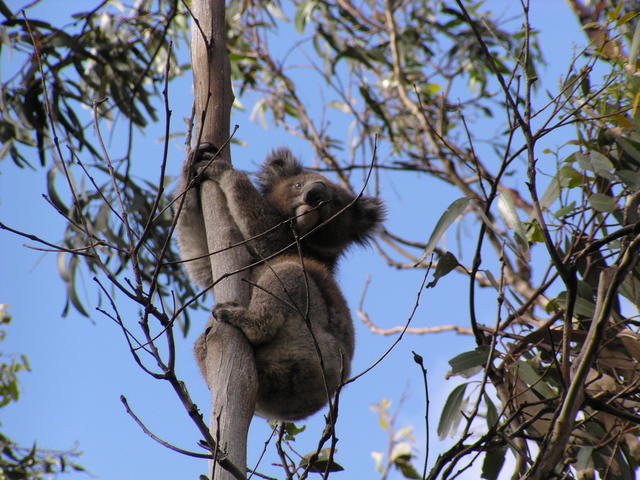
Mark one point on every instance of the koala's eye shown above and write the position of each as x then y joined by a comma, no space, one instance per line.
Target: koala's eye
297,185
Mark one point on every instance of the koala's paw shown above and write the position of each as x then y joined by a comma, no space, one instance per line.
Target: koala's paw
205,163
229,312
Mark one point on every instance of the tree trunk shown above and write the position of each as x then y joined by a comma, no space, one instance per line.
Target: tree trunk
230,366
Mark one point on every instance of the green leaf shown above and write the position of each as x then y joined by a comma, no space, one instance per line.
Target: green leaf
452,412
534,233
322,463
431,88
603,203
529,375
452,212
275,10
584,307
469,363
493,463
492,412
570,176
446,263
407,470
597,163
290,428
631,148
630,178
492,280
566,210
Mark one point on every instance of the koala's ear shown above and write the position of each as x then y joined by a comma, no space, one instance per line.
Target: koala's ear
280,163
369,214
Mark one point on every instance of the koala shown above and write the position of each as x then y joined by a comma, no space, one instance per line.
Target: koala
297,224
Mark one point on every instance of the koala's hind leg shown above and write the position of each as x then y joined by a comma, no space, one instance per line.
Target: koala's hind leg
258,326
279,302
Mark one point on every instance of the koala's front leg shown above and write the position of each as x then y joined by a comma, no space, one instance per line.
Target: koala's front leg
257,328
191,231
206,163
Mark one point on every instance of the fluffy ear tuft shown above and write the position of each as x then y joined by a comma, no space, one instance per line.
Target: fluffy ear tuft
280,163
369,215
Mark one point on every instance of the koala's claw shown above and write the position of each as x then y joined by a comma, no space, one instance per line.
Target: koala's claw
227,312
207,163
205,152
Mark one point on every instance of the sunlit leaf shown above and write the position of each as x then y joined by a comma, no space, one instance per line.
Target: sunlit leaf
509,215
400,449
469,363
303,13
404,432
321,463
452,212
550,195
534,233
571,177
341,106
377,460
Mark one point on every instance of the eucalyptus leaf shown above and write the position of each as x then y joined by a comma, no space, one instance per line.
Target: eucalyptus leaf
493,463
407,470
452,412
322,463
492,412
469,363
303,13
452,212
630,178
400,449
597,163
550,195
529,375
602,202
446,263
507,210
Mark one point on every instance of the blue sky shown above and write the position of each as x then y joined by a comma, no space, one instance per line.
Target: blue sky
81,368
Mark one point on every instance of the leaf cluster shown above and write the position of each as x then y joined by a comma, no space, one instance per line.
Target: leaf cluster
101,53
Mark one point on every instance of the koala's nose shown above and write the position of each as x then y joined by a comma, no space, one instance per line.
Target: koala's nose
315,193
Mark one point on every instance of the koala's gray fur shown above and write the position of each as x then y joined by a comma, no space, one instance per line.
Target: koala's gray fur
291,384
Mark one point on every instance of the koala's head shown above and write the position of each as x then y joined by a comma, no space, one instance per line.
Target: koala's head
314,201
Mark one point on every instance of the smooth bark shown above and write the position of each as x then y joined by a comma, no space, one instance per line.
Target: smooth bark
230,366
